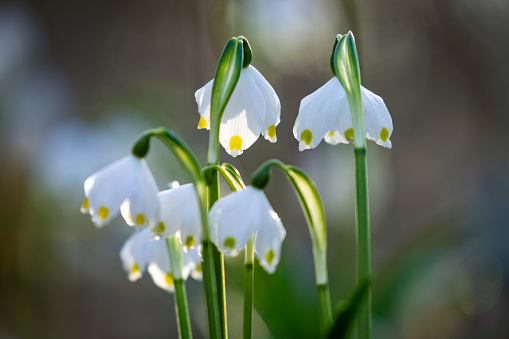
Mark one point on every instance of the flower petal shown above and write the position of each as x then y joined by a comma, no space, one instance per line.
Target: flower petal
243,116
317,114
272,104
162,278
203,97
190,261
142,207
269,237
107,189
180,212
377,119
233,220
136,252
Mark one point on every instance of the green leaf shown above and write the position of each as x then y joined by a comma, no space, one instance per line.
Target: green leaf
347,311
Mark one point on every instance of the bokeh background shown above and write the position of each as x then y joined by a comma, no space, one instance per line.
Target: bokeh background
79,80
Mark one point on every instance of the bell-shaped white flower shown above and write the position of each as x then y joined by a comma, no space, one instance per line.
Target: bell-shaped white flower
325,114
126,185
180,213
253,108
241,214
143,252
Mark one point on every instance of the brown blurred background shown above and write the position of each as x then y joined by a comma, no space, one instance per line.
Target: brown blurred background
79,80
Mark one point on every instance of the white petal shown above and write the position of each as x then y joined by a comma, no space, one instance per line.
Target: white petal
190,261
233,220
317,114
109,187
162,278
243,116
142,206
203,97
343,122
180,212
269,237
330,138
272,103
376,117
136,252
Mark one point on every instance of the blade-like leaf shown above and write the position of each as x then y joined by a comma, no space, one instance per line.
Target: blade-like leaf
347,311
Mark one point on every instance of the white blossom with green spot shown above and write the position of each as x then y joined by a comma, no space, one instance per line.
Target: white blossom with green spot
127,186
180,215
253,108
241,214
325,114
142,252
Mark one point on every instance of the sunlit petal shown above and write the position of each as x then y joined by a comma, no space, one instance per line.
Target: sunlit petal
317,114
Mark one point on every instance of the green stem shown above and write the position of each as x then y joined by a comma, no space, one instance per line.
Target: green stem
363,240
248,290
325,310
213,194
211,295
175,254
191,164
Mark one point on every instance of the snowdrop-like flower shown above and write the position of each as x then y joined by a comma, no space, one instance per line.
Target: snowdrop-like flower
142,252
180,214
238,216
126,185
325,114
253,108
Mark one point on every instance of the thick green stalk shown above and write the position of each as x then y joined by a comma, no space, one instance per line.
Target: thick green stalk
175,253
247,331
363,240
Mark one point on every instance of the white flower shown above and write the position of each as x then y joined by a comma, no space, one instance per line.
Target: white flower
253,108
238,216
325,114
180,212
141,251
126,185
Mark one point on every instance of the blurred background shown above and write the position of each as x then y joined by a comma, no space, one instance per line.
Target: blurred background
79,80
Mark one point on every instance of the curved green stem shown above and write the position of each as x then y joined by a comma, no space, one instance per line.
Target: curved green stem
175,253
248,290
312,207
192,166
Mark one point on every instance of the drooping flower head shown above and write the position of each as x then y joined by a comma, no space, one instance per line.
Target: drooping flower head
326,113
180,214
253,108
241,214
143,252
126,185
